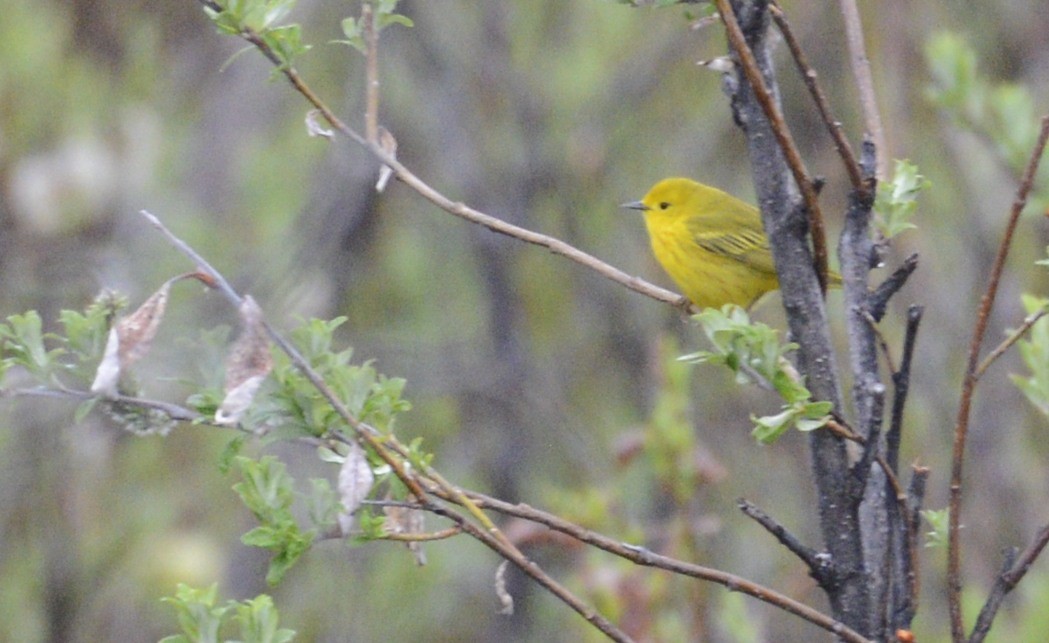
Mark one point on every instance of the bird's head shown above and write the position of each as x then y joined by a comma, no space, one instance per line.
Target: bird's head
668,198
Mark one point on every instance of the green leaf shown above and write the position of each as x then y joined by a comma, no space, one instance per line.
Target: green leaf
232,450
257,619
769,428
197,615
323,503
385,20
939,522
1034,351
896,200
266,488
286,43
24,343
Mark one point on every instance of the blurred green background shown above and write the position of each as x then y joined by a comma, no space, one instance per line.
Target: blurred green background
532,378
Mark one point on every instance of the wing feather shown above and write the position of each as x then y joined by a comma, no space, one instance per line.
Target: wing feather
733,230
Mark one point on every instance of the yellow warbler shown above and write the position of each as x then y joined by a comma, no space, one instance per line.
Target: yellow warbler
709,242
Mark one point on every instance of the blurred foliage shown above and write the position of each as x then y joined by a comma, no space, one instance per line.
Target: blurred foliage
529,376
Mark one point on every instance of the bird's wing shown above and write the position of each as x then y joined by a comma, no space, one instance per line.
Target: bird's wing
746,242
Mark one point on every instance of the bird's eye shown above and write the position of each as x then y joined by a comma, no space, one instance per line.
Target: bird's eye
664,205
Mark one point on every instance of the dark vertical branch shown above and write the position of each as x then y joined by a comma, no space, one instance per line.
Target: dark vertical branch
905,580
868,392
901,380
961,427
785,223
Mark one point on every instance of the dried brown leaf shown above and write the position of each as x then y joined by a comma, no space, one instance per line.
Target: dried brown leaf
137,330
355,482
247,365
405,520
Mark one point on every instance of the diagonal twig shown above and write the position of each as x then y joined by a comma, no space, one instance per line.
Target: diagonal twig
820,564
1013,337
961,427
451,206
878,300
645,557
809,76
861,69
1013,570
783,137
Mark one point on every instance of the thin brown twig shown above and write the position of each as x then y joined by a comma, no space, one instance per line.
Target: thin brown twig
371,45
961,428
457,208
645,557
490,535
861,69
365,433
1013,337
783,137
533,570
809,76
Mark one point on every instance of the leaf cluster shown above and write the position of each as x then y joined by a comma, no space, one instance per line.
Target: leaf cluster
1035,354
202,620
753,352
896,200
385,15
1003,112
260,17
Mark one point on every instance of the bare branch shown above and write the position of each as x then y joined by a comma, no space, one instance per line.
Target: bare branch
642,556
901,380
809,75
457,208
1013,570
961,428
533,570
1013,337
783,137
861,69
820,564
879,299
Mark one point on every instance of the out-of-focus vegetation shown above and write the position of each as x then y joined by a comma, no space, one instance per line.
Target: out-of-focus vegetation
530,377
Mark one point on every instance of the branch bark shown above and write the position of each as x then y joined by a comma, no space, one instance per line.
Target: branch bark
785,225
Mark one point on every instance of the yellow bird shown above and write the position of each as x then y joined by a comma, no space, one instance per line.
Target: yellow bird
709,242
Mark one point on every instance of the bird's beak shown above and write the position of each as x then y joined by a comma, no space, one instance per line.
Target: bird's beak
635,205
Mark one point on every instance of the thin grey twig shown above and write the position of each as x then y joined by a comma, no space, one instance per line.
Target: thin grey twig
901,381
861,69
879,299
820,565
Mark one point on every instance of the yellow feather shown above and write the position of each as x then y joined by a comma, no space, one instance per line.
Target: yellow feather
709,242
